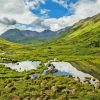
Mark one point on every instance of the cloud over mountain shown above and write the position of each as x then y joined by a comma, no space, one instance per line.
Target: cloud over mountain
38,14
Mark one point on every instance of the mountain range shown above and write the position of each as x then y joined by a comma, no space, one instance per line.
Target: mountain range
16,35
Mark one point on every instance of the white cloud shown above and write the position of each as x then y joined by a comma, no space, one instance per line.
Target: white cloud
34,4
17,10
62,3
56,24
44,11
83,9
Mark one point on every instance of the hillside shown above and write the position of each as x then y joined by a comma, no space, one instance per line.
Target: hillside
5,44
85,32
82,45
10,51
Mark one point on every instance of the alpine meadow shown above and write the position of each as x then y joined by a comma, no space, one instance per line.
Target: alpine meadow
50,50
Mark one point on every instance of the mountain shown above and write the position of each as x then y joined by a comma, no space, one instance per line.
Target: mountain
85,32
16,35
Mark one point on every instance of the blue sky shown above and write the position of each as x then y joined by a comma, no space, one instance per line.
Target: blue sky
39,15
55,10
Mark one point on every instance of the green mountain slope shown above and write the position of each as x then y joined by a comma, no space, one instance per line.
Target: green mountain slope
85,31
5,44
81,45
10,51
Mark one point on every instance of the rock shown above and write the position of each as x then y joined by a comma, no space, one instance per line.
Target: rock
65,90
17,63
97,85
88,78
45,72
94,79
32,77
78,79
54,88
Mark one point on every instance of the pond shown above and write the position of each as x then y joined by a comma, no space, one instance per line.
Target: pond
24,65
65,68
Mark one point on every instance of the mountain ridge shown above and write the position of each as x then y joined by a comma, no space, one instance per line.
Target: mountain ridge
16,35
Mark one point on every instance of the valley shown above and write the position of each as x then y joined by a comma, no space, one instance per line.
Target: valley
78,45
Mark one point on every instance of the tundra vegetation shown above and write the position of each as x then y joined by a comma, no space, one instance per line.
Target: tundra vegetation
78,45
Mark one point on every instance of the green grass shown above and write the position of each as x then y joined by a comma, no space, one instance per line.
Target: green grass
15,85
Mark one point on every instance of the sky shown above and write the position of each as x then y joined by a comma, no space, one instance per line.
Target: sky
39,15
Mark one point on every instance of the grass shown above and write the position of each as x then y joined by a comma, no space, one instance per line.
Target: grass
15,86
80,47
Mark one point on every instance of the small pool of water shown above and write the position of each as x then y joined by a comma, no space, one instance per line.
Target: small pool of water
24,65
65,68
